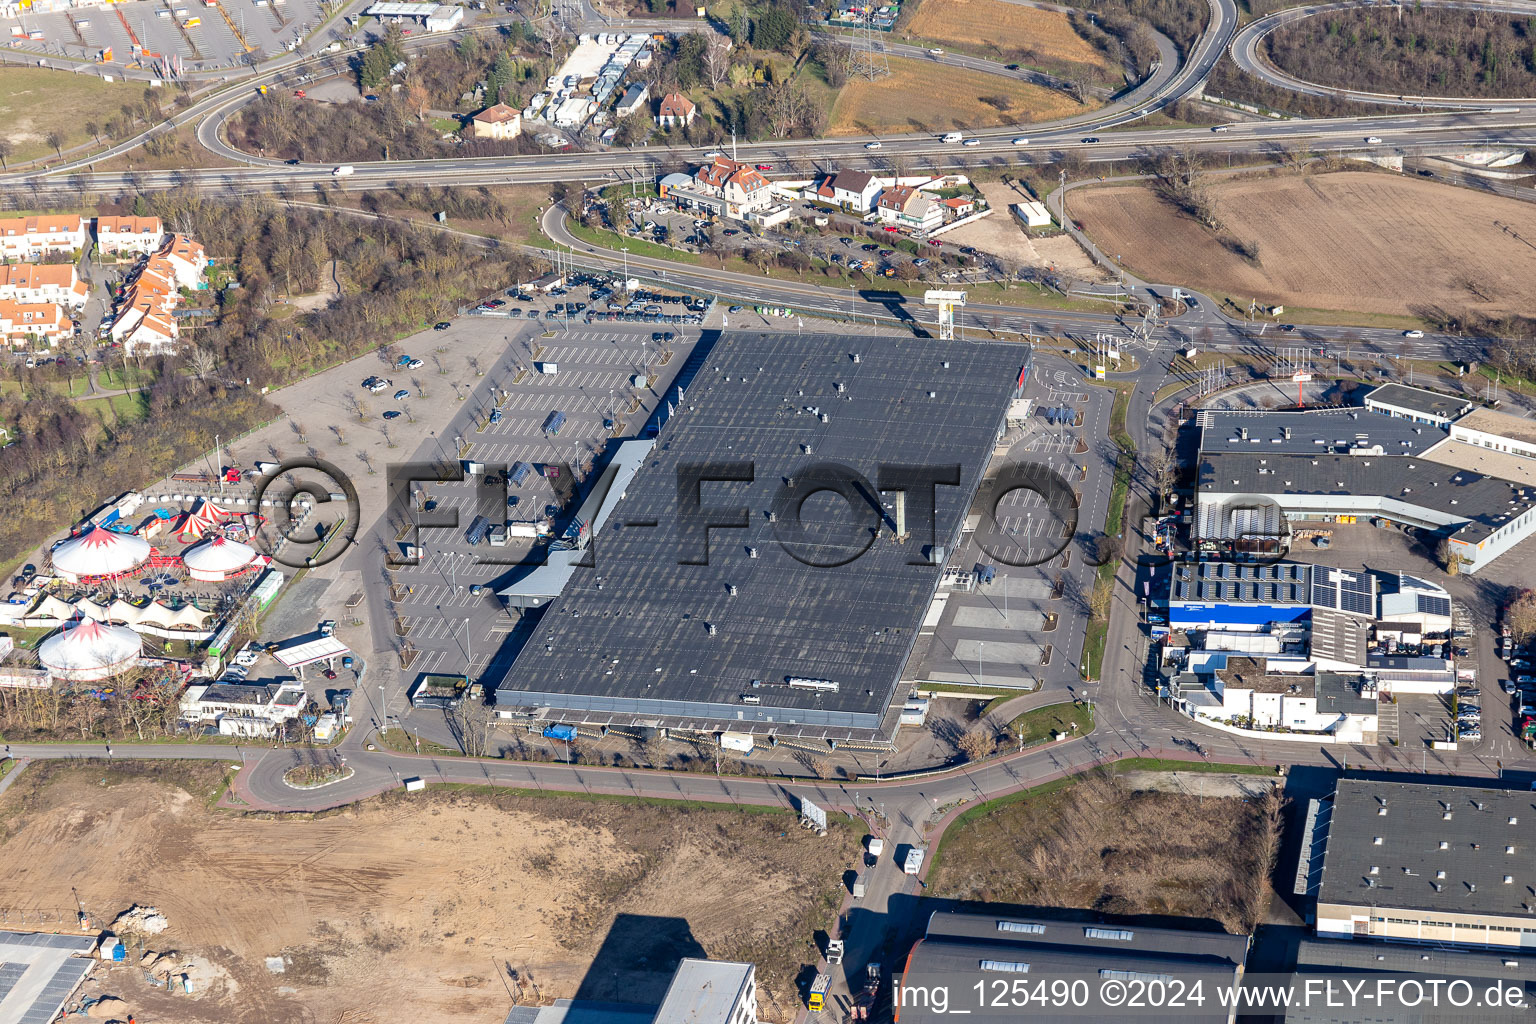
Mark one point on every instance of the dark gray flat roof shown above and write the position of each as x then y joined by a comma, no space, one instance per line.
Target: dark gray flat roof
1409,855
1312,431
632,635
1359,958
1003,944
1419,400
1485,502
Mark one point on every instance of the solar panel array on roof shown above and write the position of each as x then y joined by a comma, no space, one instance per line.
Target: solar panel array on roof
1357,594
1434,605
10,974
1325,589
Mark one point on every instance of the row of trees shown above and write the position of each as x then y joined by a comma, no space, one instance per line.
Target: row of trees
1422,51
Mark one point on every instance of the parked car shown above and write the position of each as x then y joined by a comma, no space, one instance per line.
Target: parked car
1413,334
402,395
1508,685
392,414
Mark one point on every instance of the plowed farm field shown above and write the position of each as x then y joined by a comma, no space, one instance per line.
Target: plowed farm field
1350,241
926,96
1011,31
432,907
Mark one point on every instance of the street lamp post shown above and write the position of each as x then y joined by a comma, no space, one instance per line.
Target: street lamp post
469,645
383,713
981,677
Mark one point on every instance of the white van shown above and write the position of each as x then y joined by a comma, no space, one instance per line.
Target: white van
343,171
952,137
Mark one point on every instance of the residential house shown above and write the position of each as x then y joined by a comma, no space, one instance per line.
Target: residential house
724,187
854,189
744,190
676,109
145,321
117,236
30,238
46,283
909,208
957,207
22,323
497,122
187,260
635,97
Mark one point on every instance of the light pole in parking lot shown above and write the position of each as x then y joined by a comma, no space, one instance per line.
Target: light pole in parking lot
469,646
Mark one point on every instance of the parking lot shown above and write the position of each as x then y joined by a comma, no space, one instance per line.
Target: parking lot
449,610
205,36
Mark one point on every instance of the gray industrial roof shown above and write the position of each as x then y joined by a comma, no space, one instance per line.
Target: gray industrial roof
633,635
1355,958
1487,503
964,948
39,972
1340,693
1418,400
1339,637
704,992
1462,831
1312,431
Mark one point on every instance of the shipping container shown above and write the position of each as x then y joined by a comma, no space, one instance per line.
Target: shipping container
415,785
741,741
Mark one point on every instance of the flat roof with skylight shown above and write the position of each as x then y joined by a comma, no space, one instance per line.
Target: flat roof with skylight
760,638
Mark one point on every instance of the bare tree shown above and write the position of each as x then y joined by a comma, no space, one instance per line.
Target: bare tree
717,60
1520,616
977,743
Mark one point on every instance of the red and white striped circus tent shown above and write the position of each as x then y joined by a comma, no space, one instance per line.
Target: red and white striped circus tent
204,518
220,559
86,650
99,552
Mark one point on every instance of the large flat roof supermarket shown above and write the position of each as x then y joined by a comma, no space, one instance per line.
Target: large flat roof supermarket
756,639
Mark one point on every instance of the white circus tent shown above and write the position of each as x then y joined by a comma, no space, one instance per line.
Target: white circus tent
87,650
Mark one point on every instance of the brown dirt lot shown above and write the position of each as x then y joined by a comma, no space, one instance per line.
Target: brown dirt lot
1009,30
920,95
410,909
1095,844
1351,240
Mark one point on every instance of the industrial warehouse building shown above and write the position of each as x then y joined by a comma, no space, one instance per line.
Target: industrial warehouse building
1433,864
1365,961
1007,943
787,604
1410,458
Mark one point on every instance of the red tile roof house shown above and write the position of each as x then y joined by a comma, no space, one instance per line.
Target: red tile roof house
959,206
676,109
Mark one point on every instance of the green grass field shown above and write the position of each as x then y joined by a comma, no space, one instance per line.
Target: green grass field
35,101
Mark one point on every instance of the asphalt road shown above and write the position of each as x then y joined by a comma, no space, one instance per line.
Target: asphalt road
1246,53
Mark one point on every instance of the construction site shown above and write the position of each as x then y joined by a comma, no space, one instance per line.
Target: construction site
452,905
